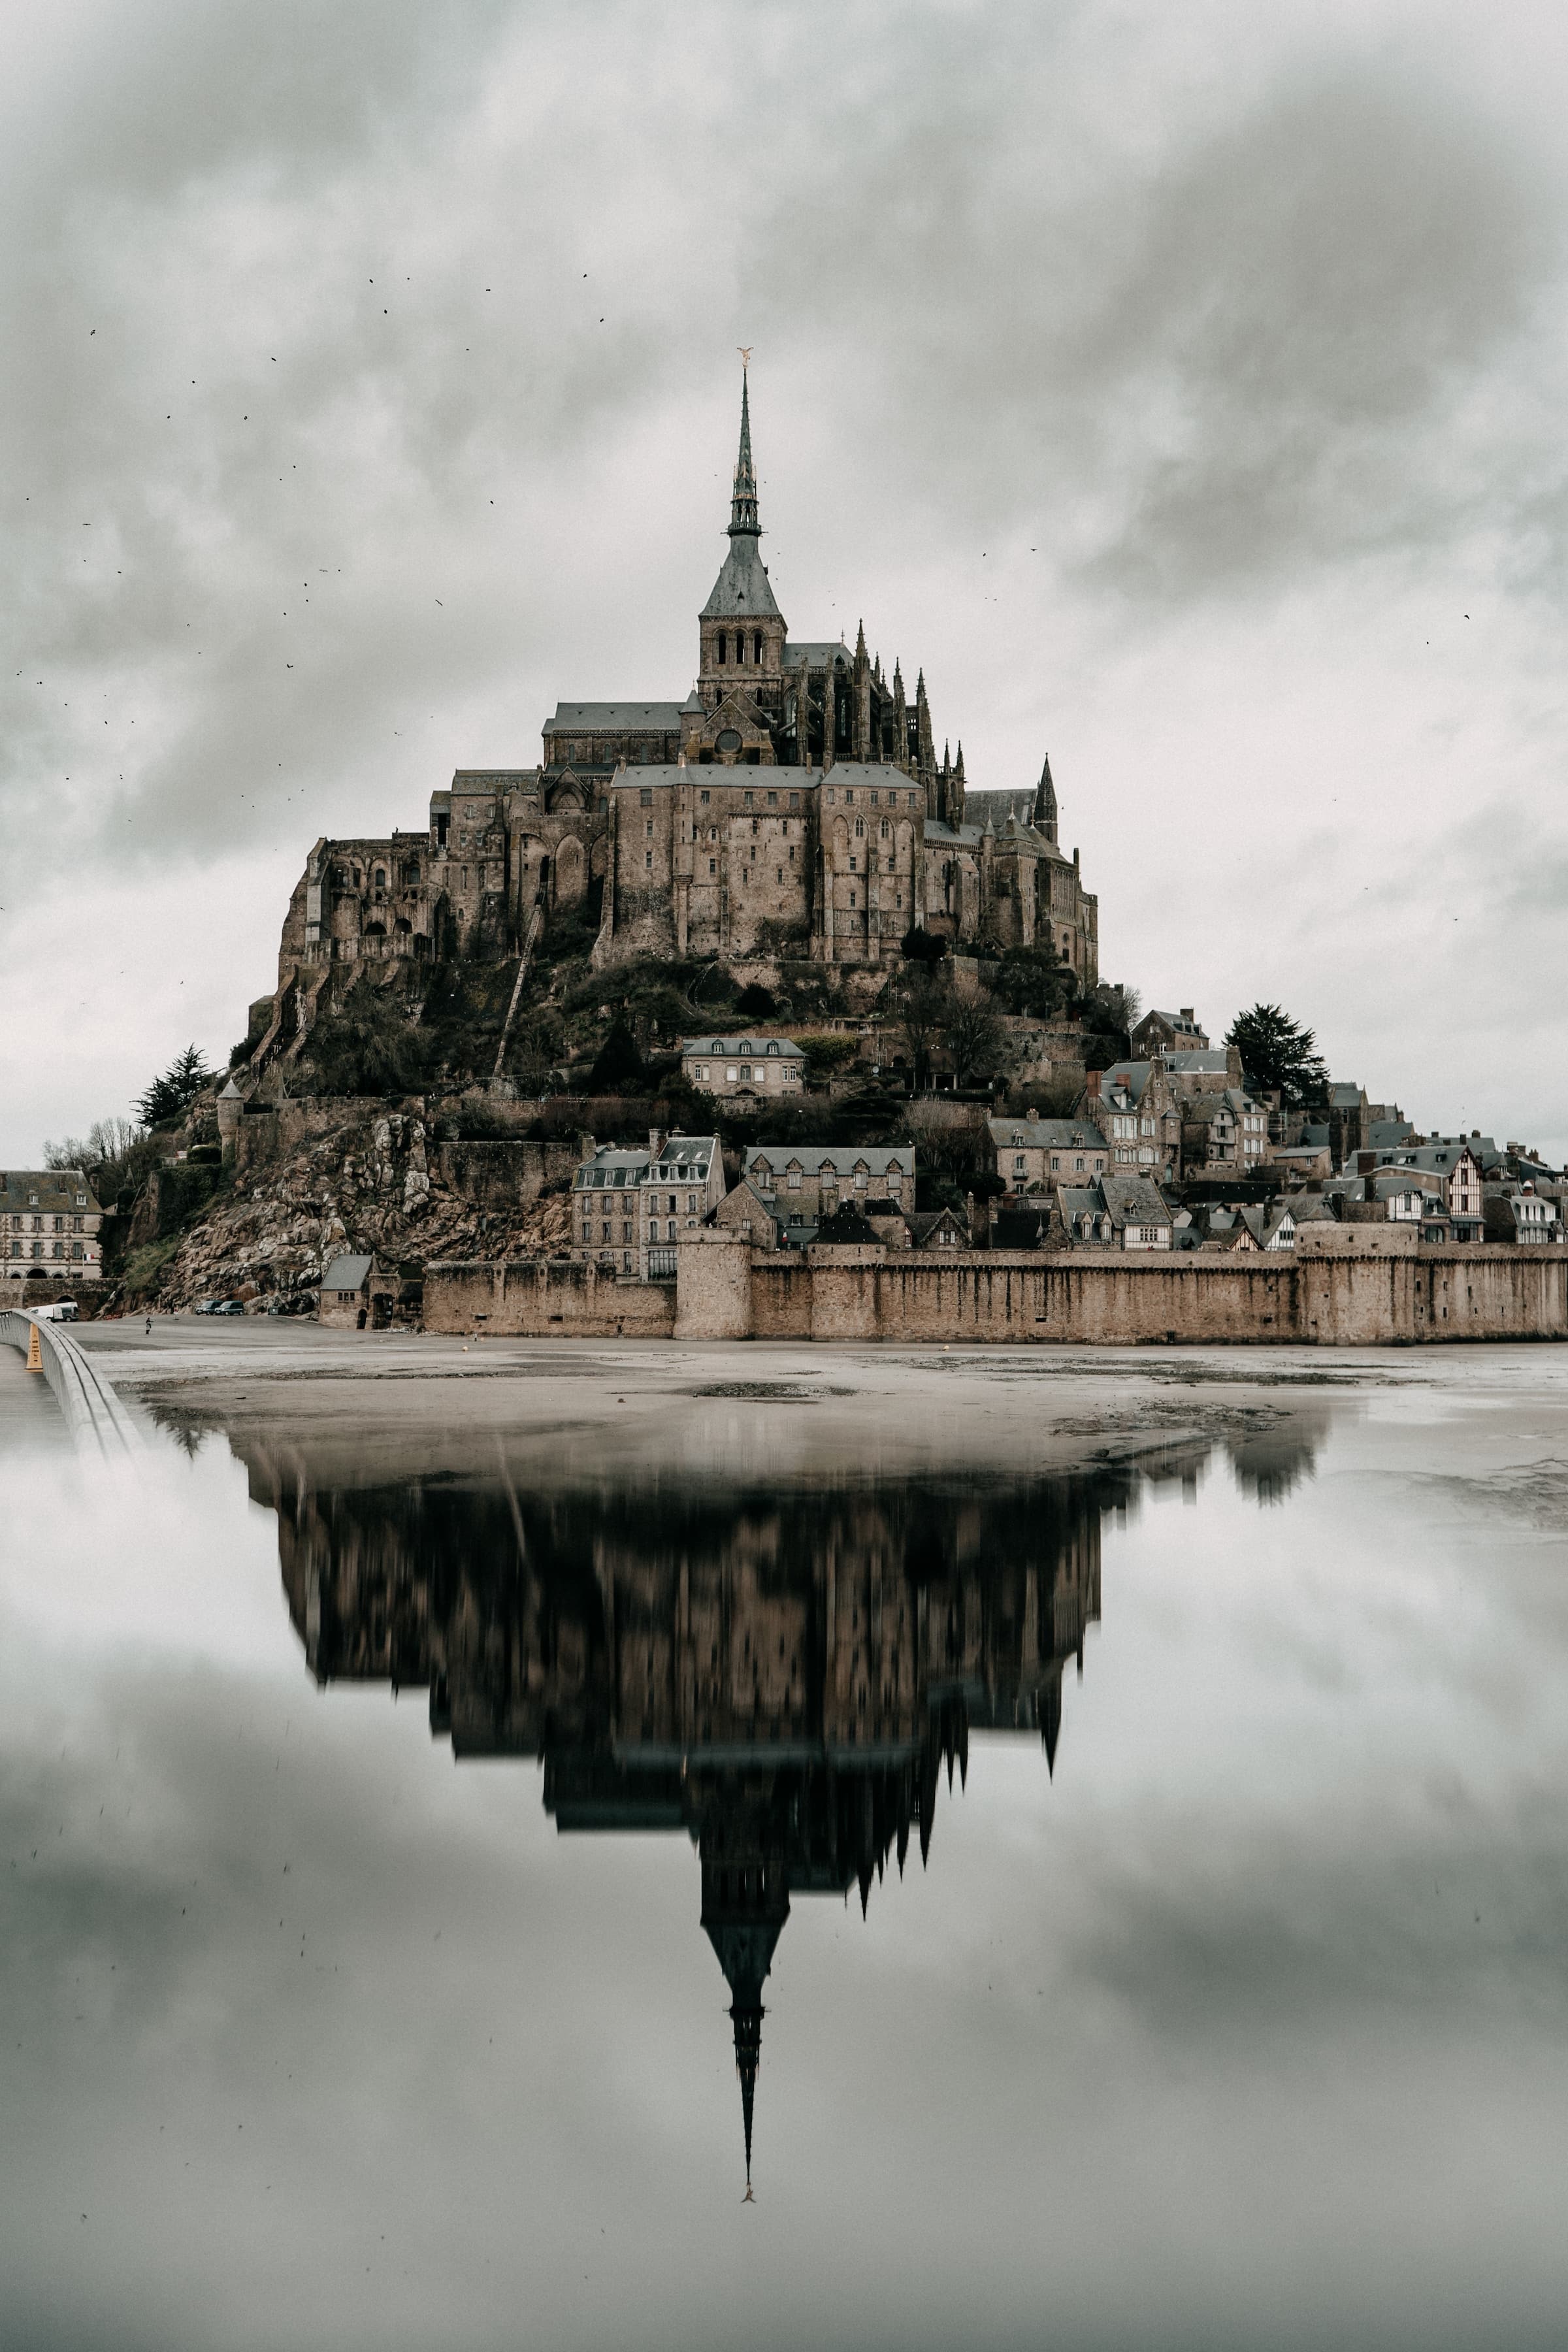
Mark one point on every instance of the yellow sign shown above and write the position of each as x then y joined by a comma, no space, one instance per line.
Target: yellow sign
34,1357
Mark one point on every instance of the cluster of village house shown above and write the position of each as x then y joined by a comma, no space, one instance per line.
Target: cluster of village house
1142,1163
1146,1161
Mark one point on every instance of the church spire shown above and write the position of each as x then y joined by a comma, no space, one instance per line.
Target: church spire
744,499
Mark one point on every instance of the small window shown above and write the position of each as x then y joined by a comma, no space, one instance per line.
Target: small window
704,799
724,647
645,796
757,646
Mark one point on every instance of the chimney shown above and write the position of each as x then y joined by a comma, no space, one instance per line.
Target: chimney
655,1139
1091,1079
1188,1014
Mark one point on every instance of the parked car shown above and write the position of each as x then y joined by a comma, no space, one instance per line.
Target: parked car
206,1306
229,1307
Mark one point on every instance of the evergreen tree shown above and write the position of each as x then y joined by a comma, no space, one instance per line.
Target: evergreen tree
1276,1052
619,1069
168,1095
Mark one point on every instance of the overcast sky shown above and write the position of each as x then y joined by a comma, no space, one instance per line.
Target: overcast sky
1182,388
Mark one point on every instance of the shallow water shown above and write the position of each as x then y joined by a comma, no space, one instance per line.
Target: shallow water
1158,1866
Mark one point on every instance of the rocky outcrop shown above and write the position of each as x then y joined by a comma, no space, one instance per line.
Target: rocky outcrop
369,1181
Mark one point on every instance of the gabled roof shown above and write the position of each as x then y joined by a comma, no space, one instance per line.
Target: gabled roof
1194,1062
347,1273
1134,1200
817,653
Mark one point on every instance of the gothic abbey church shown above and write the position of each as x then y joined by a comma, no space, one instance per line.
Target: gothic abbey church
793,806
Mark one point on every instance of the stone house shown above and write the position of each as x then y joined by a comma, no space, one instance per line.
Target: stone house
1137,1109
938,1229
1122,1211
629,1209
353,1294
1164,1033
766,1067
50,1221
1519,1214
1139,1216
1031,1155
808,1182
744,1210
1224,1134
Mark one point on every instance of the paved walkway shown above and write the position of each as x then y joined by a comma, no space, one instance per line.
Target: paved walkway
28,1413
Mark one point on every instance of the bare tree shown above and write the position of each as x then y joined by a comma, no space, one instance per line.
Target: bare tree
980,1047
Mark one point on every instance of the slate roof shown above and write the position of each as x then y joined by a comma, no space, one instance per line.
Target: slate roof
620,717
819,654
1134,1200
660,774
1195,1061
741,591
1046,1134
347,1273
873,1159
779,1048
56,1189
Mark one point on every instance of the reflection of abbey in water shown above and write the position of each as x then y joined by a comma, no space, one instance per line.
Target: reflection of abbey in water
785,1676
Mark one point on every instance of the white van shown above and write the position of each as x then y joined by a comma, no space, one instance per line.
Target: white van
58,1310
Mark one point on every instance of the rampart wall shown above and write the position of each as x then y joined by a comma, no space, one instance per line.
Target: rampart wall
1354,1298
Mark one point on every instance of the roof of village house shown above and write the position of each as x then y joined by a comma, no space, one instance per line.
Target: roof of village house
1389,1132
1046,1134
1345,1098
1194,1062
678,1157
347,1273
56,1187
1081,1200
613,718
923,1222
784,1048
1134,1200
1133,1077
842,1160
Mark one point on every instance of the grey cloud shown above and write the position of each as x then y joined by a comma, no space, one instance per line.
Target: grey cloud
1198,367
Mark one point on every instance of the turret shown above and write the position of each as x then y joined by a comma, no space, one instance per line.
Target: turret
900,721
955,792
925,749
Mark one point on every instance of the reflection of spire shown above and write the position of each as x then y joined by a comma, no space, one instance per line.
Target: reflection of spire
745,1902
748,2024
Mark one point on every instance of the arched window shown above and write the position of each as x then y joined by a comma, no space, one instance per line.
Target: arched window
757,648
381,878
722,649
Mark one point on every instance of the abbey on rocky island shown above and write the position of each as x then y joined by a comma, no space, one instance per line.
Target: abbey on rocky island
793,806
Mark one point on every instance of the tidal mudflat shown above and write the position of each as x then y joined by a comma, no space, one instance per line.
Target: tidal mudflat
1093,1822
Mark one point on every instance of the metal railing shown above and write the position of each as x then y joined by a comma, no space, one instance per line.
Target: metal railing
92,1412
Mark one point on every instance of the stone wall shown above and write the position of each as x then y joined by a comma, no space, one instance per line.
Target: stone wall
545,1298
726,1290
